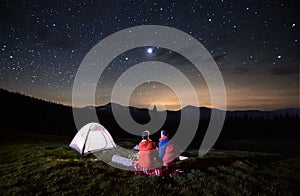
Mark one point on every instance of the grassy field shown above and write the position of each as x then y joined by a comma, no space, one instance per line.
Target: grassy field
42,165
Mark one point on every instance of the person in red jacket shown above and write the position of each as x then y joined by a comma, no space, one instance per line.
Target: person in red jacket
148,152
148,162
166,149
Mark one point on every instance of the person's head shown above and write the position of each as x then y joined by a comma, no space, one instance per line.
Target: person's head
164,133
145,135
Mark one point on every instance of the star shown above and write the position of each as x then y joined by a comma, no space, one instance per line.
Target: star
51,43
150,50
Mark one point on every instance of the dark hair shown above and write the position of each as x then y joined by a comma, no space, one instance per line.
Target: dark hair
145,135
165,132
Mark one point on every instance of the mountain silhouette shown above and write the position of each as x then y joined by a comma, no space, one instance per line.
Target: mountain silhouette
24,113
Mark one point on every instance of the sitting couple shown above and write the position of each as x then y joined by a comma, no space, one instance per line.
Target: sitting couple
151,158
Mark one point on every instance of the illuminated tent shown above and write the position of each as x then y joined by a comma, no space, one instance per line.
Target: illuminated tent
91,138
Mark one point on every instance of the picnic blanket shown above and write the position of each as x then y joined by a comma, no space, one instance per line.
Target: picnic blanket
163,171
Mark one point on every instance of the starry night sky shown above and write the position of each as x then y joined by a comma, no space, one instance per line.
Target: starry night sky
255,44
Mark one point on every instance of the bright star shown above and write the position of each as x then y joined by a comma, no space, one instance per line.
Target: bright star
149,50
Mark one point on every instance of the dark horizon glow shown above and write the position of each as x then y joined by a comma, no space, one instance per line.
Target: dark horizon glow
169,107
254,43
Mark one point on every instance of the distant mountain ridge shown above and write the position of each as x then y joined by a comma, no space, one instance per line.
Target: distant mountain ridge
204,111
24,113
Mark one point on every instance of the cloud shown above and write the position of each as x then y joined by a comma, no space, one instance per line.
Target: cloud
219,57
243,69
287,70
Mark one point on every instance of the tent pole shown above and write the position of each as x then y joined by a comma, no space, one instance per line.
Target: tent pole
85,140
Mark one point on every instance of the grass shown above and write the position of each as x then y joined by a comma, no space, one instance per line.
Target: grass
49,166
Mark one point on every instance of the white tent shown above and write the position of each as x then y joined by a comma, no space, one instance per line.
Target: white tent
91,138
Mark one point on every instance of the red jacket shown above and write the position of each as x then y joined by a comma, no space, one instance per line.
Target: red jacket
148,153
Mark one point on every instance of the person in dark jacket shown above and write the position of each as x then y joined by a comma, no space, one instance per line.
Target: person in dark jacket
166,149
